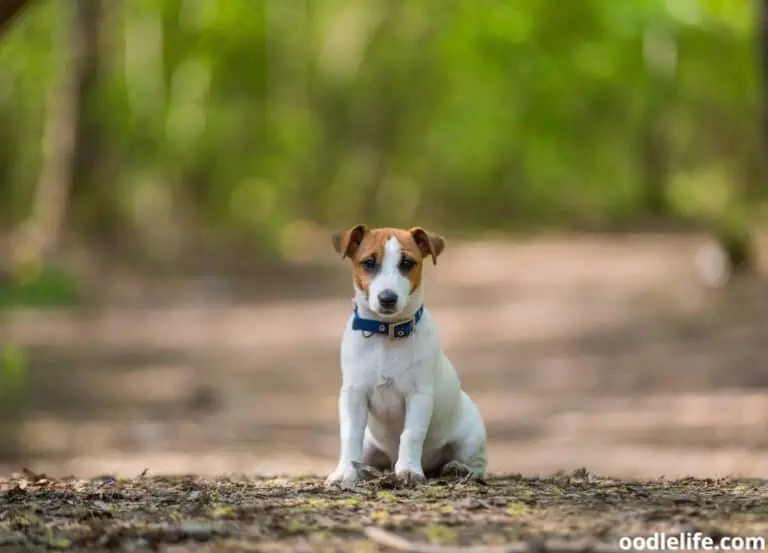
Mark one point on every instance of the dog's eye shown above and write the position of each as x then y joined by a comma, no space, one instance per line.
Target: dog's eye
406,264
369,264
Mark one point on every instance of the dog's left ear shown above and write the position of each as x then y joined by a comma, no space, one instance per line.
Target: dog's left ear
428,242
347,241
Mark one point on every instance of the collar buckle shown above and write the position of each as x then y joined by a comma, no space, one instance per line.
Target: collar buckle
393,331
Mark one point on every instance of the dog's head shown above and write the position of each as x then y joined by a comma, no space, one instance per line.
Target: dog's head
387,263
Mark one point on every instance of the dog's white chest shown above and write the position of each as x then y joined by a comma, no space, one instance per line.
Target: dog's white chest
385,364
392,362
387,405
389,370
392,380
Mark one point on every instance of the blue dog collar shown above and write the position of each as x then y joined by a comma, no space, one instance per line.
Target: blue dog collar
393,330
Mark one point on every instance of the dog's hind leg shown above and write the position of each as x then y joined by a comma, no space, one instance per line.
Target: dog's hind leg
469,457
469,463
373,455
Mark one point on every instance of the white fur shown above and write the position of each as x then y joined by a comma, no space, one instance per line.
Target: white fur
402,397
389,277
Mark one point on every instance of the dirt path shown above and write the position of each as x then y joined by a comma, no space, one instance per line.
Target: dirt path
239,514
586,351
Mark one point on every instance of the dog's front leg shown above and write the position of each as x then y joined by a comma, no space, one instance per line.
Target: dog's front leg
418,413
353,416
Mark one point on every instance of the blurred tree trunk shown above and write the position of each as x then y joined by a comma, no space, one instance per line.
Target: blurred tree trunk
655,165
39,236
736,238
93,198
9,9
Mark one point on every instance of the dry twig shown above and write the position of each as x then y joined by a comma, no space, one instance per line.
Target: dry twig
393,541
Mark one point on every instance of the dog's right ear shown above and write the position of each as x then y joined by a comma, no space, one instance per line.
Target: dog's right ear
347,241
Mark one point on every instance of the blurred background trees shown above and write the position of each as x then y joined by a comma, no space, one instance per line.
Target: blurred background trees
217,143
166,126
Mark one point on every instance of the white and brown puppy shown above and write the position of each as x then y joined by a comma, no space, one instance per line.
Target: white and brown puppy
401,401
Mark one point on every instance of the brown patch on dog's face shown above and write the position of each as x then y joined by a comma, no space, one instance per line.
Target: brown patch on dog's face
381,263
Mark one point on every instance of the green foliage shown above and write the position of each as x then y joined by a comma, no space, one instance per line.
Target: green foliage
250,119
13,367
44,287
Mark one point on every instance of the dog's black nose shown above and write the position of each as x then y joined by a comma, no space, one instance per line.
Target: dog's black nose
387,299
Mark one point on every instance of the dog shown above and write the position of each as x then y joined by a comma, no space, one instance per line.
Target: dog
401,404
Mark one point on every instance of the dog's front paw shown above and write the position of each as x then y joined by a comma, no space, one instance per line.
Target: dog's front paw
345,476
410,476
